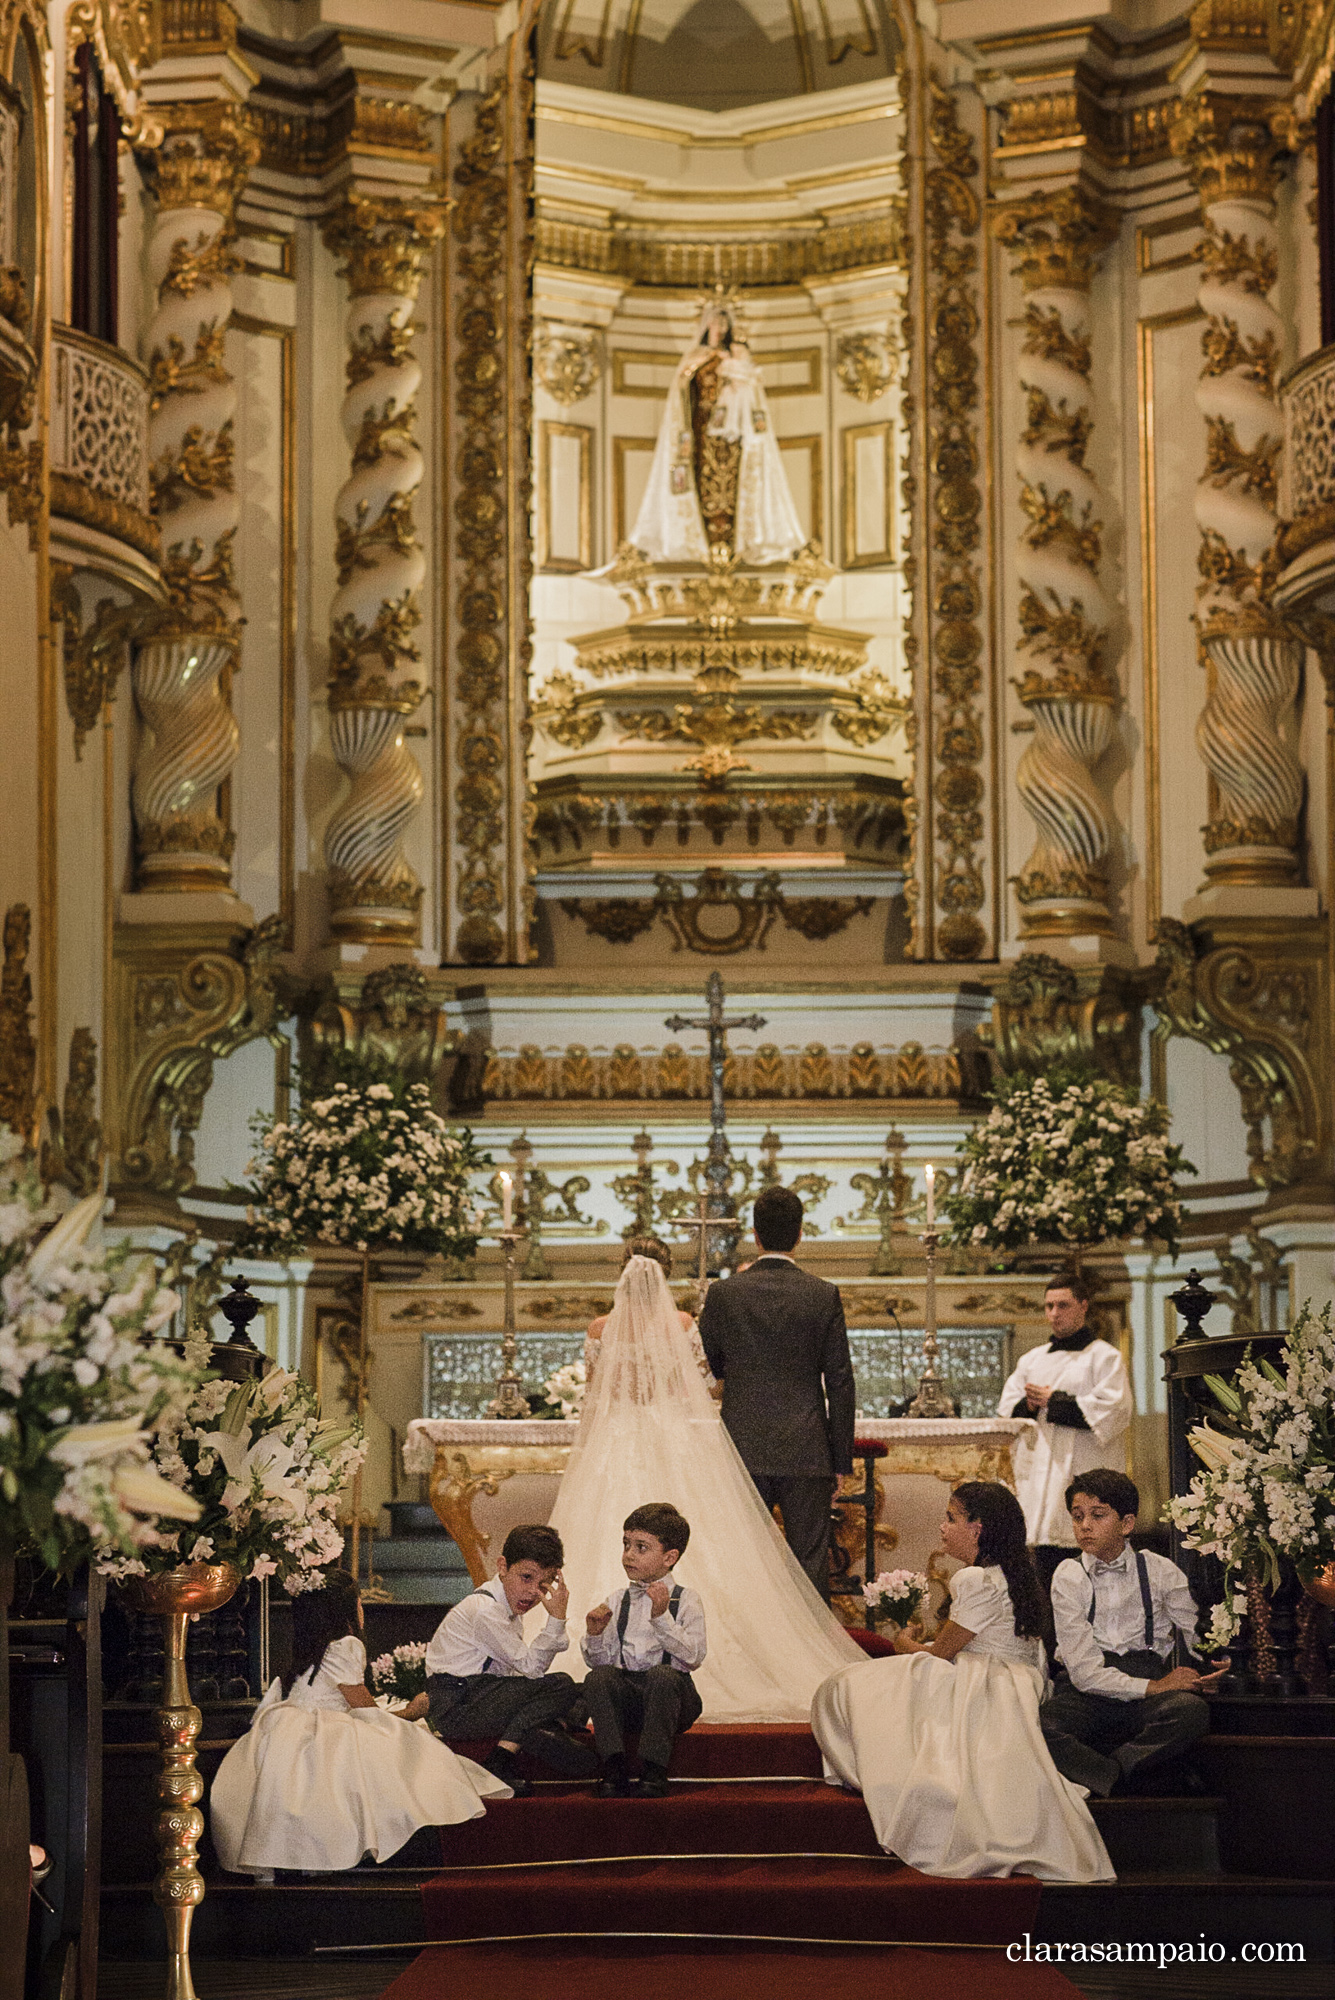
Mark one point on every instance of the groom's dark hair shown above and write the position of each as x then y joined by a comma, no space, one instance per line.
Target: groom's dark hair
777,1218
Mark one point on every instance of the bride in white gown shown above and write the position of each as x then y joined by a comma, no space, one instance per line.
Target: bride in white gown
650,1430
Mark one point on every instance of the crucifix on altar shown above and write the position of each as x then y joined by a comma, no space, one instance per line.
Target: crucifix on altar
718,1162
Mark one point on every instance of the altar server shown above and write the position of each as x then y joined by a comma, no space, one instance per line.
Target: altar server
1076,1389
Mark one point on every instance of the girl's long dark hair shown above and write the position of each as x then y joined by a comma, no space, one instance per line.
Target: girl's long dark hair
318,1618
1002,1541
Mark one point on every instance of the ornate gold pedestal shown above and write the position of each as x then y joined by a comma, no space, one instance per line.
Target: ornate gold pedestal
179,1890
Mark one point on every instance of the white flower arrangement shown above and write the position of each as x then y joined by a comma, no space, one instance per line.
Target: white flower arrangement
1267,1485
563,1392
267,1475
401,1674
897,1595
368,1164
1074,1160
82,1382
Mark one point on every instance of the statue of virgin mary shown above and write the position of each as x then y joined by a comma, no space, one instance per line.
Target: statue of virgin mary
717,479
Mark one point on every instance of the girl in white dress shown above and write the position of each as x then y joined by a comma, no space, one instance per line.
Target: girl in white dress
325,1775
650,1430
944,1744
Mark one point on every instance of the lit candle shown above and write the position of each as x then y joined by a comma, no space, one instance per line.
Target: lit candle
930,1172
507,1189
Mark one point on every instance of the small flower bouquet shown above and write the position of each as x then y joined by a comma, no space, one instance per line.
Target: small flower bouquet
83,1385
401,1674
368,1165
1070,1159
267,1475
1267,1484
562,1394
897,1595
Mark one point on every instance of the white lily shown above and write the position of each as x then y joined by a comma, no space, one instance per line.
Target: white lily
1214,1450
67,1234
147,1492
270,1456
88,1441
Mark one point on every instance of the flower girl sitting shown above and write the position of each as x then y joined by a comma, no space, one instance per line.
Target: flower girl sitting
325,1775
944,1743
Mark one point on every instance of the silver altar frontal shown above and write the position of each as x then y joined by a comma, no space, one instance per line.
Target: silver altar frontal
486,1477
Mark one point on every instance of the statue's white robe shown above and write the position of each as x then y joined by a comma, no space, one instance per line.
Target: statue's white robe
669,527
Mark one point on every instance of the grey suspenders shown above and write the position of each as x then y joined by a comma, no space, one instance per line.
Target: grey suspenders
623,1619
488,1663
1143,1577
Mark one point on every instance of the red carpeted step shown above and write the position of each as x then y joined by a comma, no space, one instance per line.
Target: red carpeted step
658,1970
769,1898
567,1823
724,1750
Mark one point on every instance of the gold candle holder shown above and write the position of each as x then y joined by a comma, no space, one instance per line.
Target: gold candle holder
509,1403
933,1398
174,1596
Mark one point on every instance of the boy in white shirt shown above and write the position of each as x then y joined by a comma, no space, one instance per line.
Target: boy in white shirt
483,1680
641,1646
1119,1709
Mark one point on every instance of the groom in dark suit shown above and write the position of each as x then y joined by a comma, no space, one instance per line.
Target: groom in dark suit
775,1337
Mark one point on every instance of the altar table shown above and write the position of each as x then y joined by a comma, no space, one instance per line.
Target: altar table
486,1477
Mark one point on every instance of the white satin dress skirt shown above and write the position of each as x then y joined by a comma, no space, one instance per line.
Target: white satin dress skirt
316,1787
951,1761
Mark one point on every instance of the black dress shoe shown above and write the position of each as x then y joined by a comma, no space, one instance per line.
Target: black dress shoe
503,1764
653,1782
565,1755
614,1787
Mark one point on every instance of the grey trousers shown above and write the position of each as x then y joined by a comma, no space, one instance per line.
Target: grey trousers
804,1501
486,1705
660,1702
1094,1740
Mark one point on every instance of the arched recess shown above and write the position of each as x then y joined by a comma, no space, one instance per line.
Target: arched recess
953,894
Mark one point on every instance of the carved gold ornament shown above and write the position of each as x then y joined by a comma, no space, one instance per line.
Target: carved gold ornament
18,1049
73,1153
954,503
866,364
576,1074
1056,239
1233,147
622,919
567,364
92,659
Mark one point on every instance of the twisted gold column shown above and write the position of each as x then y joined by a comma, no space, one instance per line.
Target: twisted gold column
1245,734
374,894
1056,240
190,739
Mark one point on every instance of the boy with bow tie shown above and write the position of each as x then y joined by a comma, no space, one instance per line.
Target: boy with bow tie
641,1646
1119,1709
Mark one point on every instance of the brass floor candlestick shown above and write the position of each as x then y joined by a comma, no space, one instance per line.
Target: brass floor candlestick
933,1398
174,1596
509,1403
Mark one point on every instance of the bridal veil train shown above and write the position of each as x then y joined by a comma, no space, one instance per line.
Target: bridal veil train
649,1430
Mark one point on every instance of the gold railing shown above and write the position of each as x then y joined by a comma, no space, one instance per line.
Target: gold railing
99,439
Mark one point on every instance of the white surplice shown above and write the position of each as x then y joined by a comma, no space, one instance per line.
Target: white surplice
1048,1457
949,1755
314,1784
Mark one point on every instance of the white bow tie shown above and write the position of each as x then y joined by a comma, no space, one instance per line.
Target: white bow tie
1118,1568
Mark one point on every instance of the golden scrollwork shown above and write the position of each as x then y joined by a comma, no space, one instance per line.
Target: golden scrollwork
384,242
396,1012
1047,334
1227,464
663,257
72,1154
576,1074
954,503
1045,1014
1225,352
1057,237
203,161
18,1049
1233,147
1053,521
567,363
622,919
92,658
1257,990
866,364
184,997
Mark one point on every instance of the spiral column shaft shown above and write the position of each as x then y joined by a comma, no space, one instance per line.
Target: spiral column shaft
1056,241
190,739
374,893
1246,730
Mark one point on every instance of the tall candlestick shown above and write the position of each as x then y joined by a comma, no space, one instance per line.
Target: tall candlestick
507,1193
930,1172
